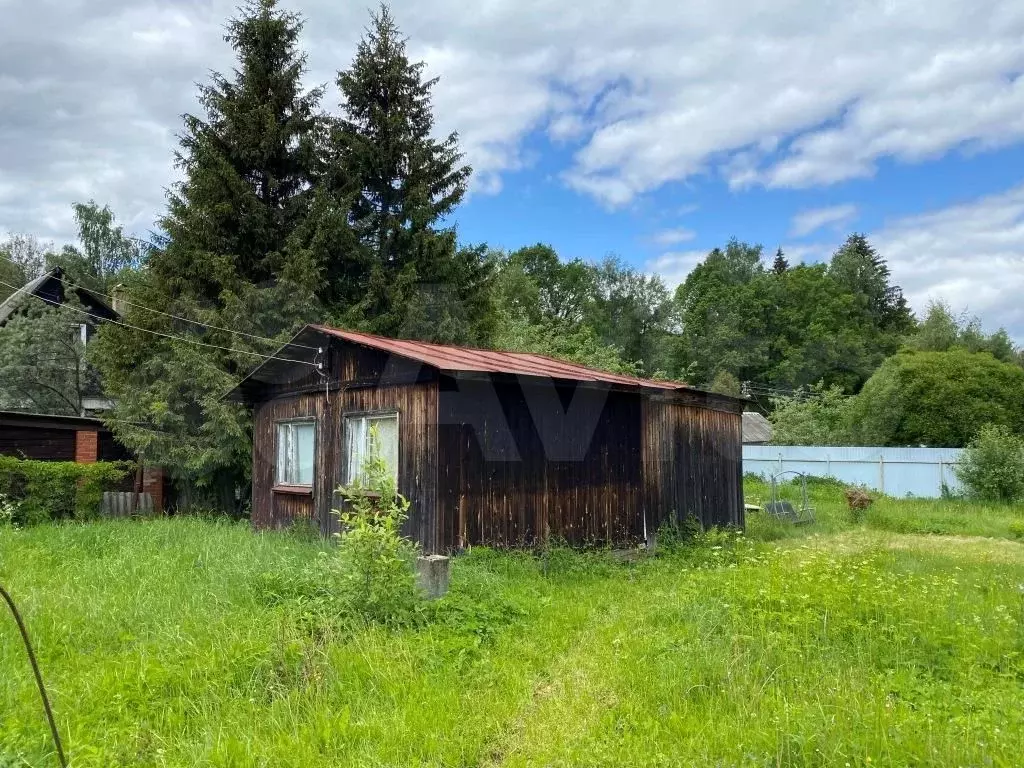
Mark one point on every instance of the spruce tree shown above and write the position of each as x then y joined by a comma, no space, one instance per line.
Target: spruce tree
780,265
400,183
249,164
858,268
232,257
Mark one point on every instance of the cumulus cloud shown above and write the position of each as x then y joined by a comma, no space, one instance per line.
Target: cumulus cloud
674,266
673,236
971,255
837,216
786,94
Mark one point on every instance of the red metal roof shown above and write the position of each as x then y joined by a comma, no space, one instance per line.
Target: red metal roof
448,358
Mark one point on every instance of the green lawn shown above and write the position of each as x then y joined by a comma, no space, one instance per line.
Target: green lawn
164,645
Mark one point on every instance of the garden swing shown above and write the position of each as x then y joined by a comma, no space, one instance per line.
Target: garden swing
797,511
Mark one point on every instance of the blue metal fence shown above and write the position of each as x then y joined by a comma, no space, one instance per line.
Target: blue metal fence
893,471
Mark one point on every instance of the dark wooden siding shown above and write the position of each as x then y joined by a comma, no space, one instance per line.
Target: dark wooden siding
416,405
693,462
513,471
40,443
52,438
506,461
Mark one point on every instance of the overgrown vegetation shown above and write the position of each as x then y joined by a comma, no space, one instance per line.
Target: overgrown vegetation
992,466
40,491
164,644
373,572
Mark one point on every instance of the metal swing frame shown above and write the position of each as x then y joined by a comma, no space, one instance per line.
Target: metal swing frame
783,509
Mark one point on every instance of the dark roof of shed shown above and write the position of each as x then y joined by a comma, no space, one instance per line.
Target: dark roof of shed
468,359
37,286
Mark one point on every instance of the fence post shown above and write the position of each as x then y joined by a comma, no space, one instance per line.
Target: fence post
881,472
828,465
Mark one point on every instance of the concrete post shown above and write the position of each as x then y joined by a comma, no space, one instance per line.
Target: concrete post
433,574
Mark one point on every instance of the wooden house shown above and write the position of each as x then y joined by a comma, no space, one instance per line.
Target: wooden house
55,288
497,448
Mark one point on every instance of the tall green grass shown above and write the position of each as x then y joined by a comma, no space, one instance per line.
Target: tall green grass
177,643
954,516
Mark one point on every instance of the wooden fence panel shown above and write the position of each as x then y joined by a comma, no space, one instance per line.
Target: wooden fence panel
126,504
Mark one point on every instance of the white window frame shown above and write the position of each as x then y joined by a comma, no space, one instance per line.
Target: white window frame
353,470
286,427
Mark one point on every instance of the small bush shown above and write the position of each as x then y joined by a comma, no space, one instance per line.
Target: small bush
992,465
373,574
8,511
1017,529
56,490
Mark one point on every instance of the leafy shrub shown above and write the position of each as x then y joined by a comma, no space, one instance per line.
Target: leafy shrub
673,534
818,415
8,511
373,576
937,398
1017,529
55,490
992,466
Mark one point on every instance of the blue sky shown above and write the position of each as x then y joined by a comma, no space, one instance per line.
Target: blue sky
648,129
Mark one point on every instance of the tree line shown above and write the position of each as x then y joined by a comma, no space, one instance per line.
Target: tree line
288,214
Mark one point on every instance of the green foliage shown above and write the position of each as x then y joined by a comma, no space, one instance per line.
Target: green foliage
580,344
1017,529
22,258
103,252
788,327
399,184
937,399
725,383
818,415
9,511
42,360
56,490
234,257
372,576
941,331
605,315
991,467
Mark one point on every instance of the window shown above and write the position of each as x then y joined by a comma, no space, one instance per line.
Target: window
358,433
296,442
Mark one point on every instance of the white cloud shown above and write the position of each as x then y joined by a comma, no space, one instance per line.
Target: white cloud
673,236
836,216
784,93
971,255
674,266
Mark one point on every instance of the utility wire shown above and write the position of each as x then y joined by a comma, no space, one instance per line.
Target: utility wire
174,317
163,335
38,675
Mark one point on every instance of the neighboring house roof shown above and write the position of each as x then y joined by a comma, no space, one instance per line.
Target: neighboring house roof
449,358
50,286
756,428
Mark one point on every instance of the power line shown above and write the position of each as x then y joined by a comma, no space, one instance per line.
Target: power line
174,317
164,335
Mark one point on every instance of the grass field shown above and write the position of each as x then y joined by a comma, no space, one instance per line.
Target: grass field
165,643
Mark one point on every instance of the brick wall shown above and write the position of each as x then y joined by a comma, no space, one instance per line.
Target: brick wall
87,446
153,484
